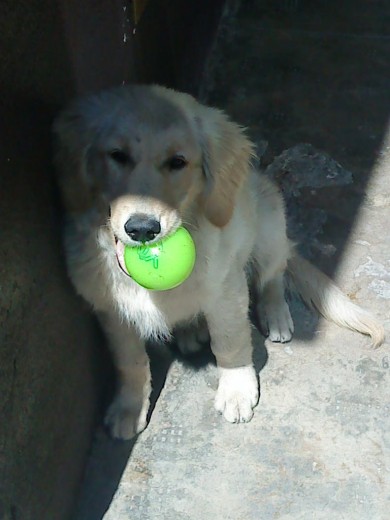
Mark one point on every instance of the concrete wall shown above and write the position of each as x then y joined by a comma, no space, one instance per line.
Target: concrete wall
51,371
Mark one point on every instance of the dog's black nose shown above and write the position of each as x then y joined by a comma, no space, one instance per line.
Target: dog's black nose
142,228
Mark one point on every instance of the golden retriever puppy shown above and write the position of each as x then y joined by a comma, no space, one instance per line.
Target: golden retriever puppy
134,164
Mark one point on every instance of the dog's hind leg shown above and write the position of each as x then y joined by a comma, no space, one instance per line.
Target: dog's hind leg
273,312
269,258
269,262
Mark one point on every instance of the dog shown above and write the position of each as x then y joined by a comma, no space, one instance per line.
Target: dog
135,163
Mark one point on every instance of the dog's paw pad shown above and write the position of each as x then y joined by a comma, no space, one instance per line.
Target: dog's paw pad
124,422
237,394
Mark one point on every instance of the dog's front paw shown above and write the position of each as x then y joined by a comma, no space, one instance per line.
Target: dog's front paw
237,394
125,419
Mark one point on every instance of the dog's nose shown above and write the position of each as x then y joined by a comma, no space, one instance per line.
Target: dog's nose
142,228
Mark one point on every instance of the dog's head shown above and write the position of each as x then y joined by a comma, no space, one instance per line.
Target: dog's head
152,158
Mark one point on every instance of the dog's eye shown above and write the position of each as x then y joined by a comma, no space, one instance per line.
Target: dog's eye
120,157
177,162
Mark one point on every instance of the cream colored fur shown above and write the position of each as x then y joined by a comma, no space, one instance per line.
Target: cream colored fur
234,214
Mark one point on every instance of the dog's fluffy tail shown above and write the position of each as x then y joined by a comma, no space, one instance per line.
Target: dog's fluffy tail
318,291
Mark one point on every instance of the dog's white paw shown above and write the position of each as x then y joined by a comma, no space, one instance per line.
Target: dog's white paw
276,322
237,394
126,419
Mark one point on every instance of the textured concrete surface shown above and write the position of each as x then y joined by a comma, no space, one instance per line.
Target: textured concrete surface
318,446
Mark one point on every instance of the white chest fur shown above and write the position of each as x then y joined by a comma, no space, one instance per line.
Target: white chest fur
220,254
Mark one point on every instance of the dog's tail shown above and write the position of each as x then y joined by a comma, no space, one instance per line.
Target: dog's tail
318,291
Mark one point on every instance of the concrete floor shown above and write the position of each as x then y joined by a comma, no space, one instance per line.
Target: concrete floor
319,444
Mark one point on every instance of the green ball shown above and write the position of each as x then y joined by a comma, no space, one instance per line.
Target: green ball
162,265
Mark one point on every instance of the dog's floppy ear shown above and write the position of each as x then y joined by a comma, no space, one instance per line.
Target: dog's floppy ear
227,153
72,144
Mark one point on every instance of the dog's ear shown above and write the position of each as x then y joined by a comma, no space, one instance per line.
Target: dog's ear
227,154
72,143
